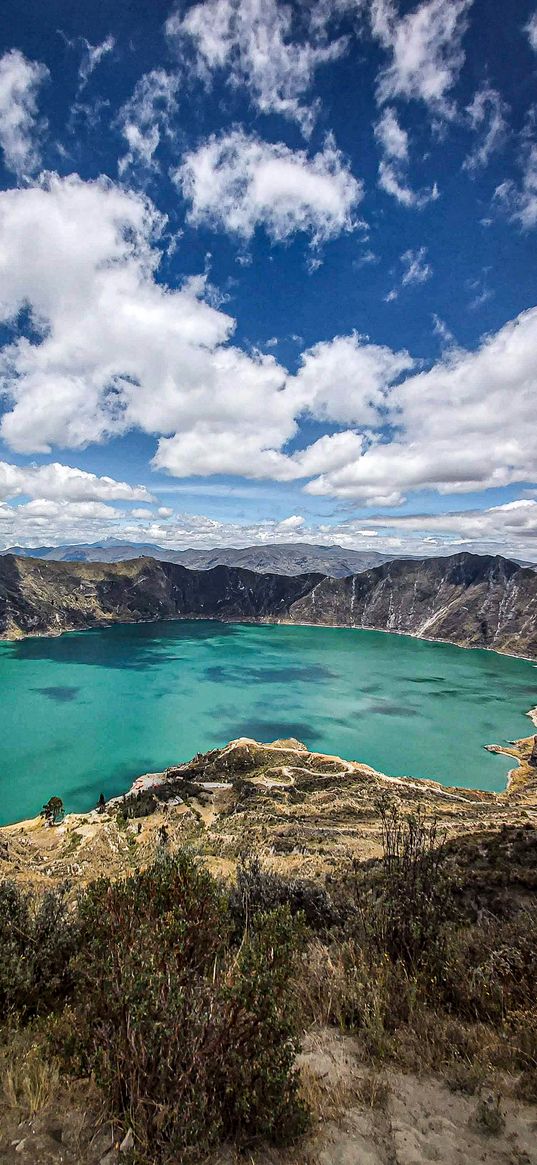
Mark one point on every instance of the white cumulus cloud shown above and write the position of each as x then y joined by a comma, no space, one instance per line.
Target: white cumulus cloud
147,115
346,379
520,201
92,55
393,141
531,30
465,424
392,137
113,349
416,269
57,482
425,48
486,117
237,182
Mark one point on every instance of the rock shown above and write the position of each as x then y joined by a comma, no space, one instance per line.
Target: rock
469,599
127,1142
488,1116
72,1128
41,1149
347,1147
102,1142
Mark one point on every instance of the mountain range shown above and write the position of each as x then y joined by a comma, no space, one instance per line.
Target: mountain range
272,558
468,599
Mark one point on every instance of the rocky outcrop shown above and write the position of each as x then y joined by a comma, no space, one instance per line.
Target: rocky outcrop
467,599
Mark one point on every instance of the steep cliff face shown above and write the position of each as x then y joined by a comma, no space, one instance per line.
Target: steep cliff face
39,597
470,599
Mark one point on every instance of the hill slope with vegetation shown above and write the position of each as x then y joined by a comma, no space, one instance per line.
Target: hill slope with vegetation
277,951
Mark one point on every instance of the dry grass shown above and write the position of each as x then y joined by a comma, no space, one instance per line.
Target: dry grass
30,1079
374,1090
327,1099
322,989
400,1020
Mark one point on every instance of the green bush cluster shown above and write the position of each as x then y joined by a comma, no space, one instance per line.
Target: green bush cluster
420,980
183,998
258,890
38,938
406,914
191,1036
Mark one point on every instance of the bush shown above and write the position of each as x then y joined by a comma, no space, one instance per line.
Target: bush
37,939
191,1041
406,920
489,969
257,891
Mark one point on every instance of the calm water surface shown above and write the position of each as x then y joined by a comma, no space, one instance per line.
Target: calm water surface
88,712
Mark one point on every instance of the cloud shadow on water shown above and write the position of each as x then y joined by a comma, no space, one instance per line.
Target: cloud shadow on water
134,646
249,673
390,708
62,693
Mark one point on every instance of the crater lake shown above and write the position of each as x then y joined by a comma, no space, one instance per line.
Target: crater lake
87,712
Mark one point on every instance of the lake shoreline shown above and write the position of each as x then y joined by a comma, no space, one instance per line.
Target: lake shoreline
89,844
107,624
516,779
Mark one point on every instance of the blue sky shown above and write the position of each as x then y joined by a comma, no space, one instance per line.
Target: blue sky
267,273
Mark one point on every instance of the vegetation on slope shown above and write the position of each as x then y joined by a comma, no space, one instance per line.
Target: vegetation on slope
190,1035
183,998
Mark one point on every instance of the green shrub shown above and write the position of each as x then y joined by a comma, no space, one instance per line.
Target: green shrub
258,890
191,1041
489,968
37,938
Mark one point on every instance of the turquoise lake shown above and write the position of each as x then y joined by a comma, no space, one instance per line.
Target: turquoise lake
87,712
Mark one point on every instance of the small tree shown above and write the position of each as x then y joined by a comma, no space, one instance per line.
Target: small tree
53,811
101,804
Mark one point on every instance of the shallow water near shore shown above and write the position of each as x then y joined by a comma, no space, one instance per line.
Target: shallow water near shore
87,712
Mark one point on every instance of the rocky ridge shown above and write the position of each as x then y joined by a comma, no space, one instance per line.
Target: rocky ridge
270,558
467,599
